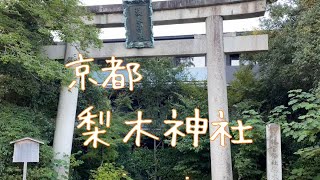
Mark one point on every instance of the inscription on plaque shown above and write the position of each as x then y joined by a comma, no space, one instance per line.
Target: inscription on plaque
138,23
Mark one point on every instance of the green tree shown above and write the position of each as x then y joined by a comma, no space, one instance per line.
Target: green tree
249,160
30,81
300,122
26,26
19,122
163,88
109,171
292,61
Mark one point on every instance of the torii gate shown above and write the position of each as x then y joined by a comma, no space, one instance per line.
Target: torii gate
213,45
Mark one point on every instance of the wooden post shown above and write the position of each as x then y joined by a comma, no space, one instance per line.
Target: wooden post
274,162
155,158
24,171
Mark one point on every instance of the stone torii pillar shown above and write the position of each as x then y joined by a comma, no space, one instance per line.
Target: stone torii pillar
221,167
67,107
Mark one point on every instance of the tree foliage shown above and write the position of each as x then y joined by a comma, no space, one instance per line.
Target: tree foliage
19,122
109,171
291,63
26,26
160,91
300,122
29,81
